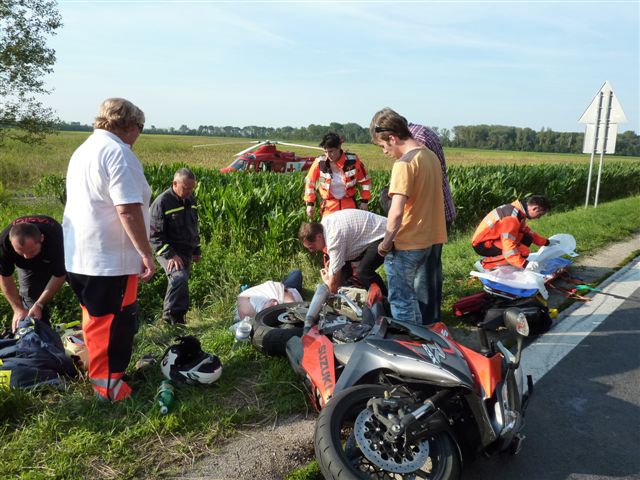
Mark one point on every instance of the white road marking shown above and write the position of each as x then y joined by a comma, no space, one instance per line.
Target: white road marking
576,323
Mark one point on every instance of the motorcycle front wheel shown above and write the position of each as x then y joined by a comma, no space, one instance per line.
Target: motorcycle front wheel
341,458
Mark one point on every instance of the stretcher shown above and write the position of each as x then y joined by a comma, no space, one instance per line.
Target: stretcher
511,282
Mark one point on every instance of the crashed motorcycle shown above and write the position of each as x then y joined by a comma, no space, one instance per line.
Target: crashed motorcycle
403,401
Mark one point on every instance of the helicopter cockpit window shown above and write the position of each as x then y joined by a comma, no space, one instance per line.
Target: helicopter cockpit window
238,164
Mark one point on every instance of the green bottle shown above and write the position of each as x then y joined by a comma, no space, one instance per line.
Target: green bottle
166,396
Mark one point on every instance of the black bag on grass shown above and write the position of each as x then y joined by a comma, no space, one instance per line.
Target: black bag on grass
33,356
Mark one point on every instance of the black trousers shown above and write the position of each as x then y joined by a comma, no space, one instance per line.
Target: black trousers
31,285
364,272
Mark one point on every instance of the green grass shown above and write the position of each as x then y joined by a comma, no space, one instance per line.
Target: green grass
68,434
25,164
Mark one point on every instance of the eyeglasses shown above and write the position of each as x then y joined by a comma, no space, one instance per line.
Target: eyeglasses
140,126
379,129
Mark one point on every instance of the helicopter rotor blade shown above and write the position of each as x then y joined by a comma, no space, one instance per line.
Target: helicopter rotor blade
258,143
299,145
218,144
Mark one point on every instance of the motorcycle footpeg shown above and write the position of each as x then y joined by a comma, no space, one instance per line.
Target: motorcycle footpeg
516,444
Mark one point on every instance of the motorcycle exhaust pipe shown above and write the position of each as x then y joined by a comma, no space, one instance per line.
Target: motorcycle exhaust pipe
317,302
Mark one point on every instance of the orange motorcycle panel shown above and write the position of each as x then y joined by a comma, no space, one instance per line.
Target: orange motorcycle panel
318,362
487,371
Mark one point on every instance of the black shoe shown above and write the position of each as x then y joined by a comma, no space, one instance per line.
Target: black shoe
174,318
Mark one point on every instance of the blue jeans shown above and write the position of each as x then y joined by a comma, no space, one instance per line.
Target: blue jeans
415,284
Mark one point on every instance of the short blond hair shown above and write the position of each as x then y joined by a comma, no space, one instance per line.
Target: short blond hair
118,114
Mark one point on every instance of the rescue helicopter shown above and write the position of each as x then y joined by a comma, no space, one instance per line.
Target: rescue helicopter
264,156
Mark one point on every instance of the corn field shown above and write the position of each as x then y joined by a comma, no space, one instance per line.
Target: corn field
265,211
249,223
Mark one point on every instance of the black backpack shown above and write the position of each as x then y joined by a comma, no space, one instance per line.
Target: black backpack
33,356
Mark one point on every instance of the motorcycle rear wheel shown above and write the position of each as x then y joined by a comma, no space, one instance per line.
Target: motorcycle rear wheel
270,335
340,458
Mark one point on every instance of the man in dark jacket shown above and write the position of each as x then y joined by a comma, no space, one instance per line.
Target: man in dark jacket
33,245
176,241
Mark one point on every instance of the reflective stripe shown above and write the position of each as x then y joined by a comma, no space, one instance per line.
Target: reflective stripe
351,173
174,210
162,249
366,187
309,191
112,393
194,206
496,216
509,236
515,212
5,379
365,178
325,175
511,253
490,223
350,184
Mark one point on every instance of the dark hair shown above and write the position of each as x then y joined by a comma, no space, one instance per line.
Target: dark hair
22,231
309,231
539,201
331,140
387,122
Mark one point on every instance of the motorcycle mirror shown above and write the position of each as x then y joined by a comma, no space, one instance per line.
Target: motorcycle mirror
516,321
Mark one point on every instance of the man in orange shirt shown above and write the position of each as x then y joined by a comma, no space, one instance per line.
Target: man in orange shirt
416,227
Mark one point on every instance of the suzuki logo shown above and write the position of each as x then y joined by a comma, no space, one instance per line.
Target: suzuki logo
434,351
325,373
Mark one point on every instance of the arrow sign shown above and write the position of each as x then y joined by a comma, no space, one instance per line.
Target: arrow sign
602,117
591,113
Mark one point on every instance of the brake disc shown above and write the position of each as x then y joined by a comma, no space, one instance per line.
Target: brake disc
291,316
392,457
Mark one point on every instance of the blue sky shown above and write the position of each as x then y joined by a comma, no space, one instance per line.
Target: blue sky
526,64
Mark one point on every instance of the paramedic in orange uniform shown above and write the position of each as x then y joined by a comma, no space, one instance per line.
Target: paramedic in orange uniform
503,237
337,175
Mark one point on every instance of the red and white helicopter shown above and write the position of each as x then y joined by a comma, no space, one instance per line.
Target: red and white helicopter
265,157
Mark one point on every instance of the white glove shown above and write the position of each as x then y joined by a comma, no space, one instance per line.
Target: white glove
310,211
533,266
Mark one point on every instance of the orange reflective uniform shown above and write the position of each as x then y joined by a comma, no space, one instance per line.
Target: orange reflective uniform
503,237
353,172
109,317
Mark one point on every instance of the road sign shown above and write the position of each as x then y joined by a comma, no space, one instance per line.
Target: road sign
602,117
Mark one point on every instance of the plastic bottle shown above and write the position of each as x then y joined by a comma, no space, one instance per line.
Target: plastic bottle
166,396
243,329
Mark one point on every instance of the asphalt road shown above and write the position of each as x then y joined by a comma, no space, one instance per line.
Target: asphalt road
583,421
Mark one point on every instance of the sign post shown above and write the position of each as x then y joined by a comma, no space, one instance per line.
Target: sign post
601,117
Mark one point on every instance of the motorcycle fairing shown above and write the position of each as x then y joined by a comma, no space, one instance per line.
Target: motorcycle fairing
367,356
433,353
318,362
487,372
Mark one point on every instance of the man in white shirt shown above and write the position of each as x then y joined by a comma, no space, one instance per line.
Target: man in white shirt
347,236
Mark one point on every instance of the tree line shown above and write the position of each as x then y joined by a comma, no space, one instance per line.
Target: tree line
486,137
